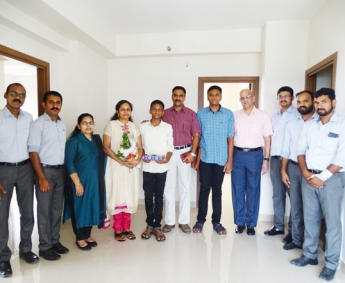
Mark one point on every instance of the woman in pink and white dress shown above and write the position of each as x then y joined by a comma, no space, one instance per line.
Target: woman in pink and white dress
122,143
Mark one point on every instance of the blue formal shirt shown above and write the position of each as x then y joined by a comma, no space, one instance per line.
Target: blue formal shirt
48,139
323,144
279,122
292,135
216,128
14,135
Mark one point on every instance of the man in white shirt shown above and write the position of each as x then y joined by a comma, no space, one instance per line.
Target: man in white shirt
321,157
279,120
158,145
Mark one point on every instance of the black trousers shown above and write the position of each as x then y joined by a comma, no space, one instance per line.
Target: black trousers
153,185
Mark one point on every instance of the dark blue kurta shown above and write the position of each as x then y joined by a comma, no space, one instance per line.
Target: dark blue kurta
82,156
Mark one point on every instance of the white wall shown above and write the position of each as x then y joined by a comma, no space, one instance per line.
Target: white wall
326,37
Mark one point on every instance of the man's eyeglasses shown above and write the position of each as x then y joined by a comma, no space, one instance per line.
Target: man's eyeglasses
16,94
284,96
246,97
85,123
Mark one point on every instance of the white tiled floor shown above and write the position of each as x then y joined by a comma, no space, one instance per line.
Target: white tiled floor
181,258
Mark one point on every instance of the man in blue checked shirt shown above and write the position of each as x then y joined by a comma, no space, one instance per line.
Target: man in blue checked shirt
217,143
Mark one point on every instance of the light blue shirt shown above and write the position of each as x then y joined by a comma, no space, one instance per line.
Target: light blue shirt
216,128
14,135
279,122
323,144
48,139
292,135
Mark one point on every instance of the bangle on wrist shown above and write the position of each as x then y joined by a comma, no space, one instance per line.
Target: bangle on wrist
193,154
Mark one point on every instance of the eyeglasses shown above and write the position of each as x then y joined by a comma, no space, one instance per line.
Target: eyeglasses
85,123
246,97
16,94
284,96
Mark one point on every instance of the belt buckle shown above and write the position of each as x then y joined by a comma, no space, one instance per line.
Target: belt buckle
246,149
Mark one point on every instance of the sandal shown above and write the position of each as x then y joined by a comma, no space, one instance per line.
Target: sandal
129,235
197,228
160,237
221,231
120,237
147,233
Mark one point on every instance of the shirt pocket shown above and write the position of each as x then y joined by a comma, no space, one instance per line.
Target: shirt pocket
186,127
331,143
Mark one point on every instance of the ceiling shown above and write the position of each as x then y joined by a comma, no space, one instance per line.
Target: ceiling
102,20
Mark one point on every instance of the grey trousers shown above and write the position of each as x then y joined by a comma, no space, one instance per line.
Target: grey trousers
296,202
279,194
49,207
327,201
22,178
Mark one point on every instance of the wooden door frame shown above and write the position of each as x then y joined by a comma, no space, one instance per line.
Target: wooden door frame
311,73
43,71
202,80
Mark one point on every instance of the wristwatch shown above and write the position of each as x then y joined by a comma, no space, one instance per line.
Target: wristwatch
266,158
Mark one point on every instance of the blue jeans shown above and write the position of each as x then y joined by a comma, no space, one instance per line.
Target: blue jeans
211,176
245,183
327,201
153,185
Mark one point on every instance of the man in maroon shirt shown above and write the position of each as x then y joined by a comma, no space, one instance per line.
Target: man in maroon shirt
186,132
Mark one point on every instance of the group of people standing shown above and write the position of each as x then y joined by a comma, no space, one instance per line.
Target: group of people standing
100,180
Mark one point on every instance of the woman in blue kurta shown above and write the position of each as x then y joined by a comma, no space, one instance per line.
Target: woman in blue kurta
85,189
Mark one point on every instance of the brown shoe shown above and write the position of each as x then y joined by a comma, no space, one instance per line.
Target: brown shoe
167,228
185,228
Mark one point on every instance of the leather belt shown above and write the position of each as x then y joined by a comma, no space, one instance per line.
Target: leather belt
182,146
17,164
247,149
294,162
51,166
276,157
315,171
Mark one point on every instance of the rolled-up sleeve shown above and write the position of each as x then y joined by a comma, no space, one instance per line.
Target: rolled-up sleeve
34,143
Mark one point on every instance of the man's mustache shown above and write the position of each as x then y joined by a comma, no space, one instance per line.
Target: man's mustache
178,100
17,100
54,108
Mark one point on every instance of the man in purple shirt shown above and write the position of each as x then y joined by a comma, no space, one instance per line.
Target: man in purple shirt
186,132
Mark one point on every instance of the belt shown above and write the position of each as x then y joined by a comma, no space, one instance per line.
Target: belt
182,146
51,166
315,171
17,164
276,157
247,149
294,162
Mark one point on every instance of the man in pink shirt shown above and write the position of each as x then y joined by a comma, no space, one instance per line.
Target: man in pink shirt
252,142
186,132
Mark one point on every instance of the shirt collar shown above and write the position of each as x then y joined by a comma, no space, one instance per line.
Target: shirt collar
289,110
46,117
8,112
219,110
334,118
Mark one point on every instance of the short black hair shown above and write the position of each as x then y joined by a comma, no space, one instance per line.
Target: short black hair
285,88
306,91
16,84
51,92
157,102
180,88
326,91
215,87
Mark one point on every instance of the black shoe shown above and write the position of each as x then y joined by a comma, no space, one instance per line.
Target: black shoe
92,244
250,231
29,257
327,274
291,246
49,254
288,238
85,248
274,231
5,269
60,249
239,229
303,261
